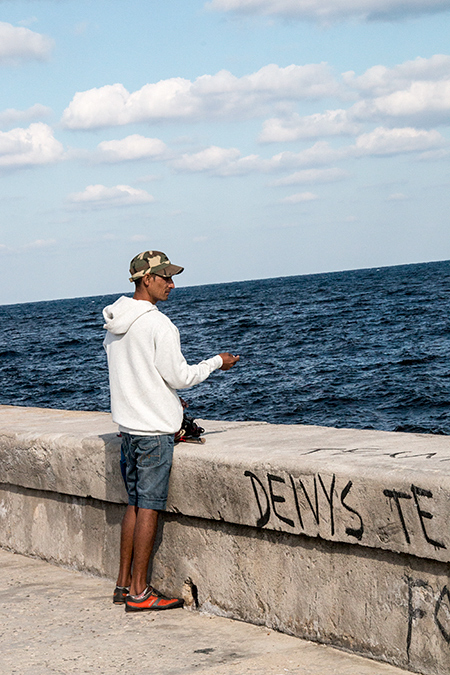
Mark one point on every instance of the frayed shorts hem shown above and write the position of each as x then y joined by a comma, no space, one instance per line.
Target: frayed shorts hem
155,504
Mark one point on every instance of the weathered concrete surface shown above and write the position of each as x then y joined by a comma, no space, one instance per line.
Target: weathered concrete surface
338,535
384,605
67,530
71,452
56,621
377,489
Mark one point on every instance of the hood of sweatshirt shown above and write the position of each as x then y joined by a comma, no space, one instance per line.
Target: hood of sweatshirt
123,313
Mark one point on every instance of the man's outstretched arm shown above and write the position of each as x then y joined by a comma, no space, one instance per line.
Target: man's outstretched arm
172,366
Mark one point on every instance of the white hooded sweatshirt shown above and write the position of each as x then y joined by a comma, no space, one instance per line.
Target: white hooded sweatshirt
146,367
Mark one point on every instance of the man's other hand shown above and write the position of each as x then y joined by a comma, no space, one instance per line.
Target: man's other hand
228,360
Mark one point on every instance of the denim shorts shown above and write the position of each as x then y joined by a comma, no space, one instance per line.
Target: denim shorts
148,463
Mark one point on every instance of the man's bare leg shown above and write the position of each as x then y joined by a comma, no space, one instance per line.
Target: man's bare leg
126,546
144,538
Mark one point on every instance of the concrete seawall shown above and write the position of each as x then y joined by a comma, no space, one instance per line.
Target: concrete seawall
337,535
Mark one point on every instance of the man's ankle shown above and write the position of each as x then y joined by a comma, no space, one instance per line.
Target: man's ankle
138,593
123,581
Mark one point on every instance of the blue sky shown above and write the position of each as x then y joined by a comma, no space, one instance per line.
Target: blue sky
244,138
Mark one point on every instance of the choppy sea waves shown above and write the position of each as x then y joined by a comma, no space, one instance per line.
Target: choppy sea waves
365,349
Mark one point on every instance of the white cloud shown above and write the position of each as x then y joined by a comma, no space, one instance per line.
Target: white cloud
397,197
295,127
423,102
229,162
28,147
313,176
102,196
383,141
380,80
28,22
223,162
21,44
13,116
131,148
379,142
80,28
435,155
210,159
416,91
299,198
148,178
413,93
328,10
41,243
220,96
317,155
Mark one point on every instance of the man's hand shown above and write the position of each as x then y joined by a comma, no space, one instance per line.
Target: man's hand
228,360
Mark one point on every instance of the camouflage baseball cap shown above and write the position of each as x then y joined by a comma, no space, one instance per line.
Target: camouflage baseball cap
152,262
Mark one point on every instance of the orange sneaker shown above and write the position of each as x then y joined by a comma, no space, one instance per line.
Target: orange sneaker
119,595
152,600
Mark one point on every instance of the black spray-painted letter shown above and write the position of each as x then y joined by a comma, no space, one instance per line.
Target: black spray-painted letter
352,532
278,498
264,514
420,492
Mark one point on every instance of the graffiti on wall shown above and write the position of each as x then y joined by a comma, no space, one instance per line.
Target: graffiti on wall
424,601
314,503
329,506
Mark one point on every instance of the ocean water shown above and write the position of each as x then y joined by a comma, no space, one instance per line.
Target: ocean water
365,349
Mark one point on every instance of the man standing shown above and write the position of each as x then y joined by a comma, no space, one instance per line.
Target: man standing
146,367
